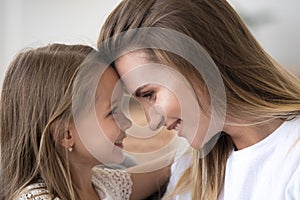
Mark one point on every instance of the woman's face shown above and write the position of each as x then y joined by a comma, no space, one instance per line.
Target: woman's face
166,101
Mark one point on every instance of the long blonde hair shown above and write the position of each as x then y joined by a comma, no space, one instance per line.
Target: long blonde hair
36,102
257,88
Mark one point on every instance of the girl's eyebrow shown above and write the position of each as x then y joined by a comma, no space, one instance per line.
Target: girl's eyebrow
138,91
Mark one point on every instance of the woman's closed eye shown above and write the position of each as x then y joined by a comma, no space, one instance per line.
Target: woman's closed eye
149,95
146,92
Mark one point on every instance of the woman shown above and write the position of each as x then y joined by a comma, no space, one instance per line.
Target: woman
262,124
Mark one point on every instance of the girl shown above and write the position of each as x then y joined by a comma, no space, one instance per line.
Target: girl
257,153
49,141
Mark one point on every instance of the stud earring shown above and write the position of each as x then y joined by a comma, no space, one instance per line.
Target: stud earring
70,149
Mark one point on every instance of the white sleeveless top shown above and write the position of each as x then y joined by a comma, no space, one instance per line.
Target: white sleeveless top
110,184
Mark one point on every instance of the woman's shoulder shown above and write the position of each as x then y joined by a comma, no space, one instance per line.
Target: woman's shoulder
293,186
180,165
36,191
112,183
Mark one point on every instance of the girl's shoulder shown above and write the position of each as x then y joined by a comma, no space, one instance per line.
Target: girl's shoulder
112,183
36,191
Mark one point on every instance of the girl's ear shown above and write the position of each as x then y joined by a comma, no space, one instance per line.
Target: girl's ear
68,139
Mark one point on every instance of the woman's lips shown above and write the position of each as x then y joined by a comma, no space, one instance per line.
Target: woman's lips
174,125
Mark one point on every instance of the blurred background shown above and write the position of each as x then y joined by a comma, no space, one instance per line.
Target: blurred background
275,23
31,23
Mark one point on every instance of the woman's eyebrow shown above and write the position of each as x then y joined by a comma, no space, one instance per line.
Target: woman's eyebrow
138,91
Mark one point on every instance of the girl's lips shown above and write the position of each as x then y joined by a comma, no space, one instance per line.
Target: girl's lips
119,143
173,125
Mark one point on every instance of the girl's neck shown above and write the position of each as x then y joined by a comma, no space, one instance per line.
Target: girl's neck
245,136
81,175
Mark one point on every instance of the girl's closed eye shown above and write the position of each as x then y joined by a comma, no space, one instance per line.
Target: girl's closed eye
113,111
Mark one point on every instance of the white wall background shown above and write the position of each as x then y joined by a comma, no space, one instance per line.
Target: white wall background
276,27
31,23
23,23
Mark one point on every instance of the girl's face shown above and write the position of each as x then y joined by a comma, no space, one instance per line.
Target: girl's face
101,135
164,106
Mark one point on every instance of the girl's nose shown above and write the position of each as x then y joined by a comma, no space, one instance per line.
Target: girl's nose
124,122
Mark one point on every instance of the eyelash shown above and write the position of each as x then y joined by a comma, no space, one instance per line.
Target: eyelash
112,111
148,95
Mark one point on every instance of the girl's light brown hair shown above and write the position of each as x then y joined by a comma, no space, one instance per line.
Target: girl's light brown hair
257,88
36,106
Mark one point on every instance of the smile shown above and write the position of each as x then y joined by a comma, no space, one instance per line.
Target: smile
175,126
119,143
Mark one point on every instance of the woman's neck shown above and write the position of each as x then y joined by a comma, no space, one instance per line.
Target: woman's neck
245,136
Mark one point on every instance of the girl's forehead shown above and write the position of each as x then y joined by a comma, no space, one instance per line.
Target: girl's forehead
108,83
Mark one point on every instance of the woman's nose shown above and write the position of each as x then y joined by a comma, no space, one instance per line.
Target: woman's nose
156,117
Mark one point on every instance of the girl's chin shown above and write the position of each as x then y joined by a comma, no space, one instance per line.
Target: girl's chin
117,155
